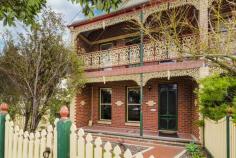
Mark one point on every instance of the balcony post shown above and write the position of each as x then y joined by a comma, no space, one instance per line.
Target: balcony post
203,22
141,76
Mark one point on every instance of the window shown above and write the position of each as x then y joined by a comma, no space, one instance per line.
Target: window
105,103
106,46
133,104
132,40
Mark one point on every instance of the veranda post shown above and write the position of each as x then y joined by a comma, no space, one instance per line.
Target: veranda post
3,113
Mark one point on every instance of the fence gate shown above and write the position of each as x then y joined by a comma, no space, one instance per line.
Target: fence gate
218,135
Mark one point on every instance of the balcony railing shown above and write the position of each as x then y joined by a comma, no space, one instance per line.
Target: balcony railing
130,55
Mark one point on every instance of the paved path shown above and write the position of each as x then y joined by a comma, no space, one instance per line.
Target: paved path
157,150
164,151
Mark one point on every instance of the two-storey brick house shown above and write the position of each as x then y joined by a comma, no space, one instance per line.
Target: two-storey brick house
134,85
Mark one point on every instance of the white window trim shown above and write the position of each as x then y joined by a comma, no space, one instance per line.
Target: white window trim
127,109
100,104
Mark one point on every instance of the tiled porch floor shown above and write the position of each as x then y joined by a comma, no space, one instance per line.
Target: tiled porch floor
158,150
129,132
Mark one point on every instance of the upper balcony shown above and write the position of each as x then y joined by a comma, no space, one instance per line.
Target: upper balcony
113,40
128,56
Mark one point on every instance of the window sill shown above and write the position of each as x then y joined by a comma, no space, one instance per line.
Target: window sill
104,122
132,124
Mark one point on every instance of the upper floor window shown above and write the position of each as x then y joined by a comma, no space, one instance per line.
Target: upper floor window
132,40
105,103
106,46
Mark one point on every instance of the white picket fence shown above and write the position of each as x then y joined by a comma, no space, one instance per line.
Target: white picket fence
84,146
215,138
19,144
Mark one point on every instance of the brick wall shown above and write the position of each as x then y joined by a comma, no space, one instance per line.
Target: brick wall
83,112
186,109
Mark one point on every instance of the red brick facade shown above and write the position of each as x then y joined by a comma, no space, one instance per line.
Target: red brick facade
187,111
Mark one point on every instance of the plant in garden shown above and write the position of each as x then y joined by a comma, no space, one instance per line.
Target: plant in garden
41,69
194,150
217,96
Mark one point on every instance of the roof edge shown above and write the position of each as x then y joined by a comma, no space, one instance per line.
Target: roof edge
105,16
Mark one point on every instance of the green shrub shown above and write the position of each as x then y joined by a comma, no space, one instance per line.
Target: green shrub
217,96
194,150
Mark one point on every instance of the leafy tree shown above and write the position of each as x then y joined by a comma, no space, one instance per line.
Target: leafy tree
217,96
40,68
23,10
26,10
90,5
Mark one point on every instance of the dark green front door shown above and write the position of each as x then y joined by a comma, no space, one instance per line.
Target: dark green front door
168,107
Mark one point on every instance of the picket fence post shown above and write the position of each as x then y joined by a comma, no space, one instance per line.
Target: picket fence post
3,113
81,142
63,134
98,148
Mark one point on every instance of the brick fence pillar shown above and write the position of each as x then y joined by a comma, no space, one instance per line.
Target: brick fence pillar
63,134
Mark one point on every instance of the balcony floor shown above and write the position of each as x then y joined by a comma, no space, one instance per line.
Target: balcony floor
116,71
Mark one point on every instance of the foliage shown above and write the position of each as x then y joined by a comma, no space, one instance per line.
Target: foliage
27,10
199,123
217,96
22,10
194,150
41,69
90,5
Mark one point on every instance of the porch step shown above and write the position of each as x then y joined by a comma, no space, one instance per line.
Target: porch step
145,139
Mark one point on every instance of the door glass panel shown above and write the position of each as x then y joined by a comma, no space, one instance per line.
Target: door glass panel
172,102
163,102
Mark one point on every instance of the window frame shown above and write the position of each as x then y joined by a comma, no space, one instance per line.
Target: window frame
127,104
102,104
103,44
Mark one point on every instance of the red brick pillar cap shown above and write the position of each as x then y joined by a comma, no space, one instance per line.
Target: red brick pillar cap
4,108
64,112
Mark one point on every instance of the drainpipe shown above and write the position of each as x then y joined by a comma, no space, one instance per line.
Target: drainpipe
141,76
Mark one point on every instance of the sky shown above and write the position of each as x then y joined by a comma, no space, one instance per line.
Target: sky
69,11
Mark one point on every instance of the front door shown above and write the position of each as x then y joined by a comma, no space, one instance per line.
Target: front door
168,107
